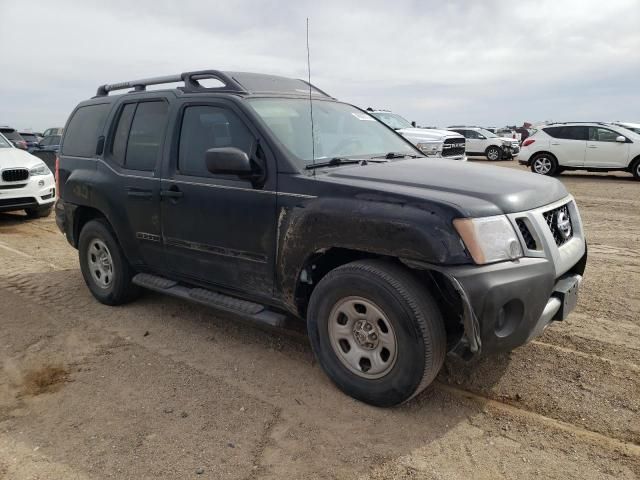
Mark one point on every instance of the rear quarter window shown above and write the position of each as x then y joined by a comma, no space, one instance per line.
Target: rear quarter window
86,124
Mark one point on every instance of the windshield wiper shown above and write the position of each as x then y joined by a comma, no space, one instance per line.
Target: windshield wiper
392,155
336,161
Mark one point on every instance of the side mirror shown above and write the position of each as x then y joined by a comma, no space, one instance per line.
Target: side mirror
621,139
227,160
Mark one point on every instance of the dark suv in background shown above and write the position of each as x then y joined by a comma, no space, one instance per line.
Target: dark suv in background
14,137
231,196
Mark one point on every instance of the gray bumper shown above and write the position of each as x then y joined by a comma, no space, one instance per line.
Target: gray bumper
513,302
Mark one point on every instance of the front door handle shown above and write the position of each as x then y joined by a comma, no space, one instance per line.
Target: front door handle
173,192
139,193
592,146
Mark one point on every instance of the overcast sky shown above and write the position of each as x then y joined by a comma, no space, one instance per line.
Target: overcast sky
490,63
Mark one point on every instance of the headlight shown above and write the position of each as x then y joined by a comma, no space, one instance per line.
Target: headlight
41,169
489,239
430,148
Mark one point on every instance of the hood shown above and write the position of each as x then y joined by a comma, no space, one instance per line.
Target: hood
17,158
508,139
477,190
427,133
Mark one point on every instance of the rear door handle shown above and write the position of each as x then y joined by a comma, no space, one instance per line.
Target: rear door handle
173,192
139,193
592,146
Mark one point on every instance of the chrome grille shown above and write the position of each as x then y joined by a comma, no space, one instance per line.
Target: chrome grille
452,147
15,175
559,222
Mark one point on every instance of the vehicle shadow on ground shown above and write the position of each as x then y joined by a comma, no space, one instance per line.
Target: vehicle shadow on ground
13,219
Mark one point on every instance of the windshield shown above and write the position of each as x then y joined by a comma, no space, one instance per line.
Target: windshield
4,143
29,137
392,120
339,130
487,133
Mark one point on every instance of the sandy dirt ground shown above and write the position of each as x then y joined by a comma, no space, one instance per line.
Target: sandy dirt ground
162,388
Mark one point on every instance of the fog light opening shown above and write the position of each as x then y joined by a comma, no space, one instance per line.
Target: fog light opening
508,318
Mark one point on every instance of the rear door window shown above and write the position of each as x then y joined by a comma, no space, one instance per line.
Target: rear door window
86,124
119,144
146,135
567,133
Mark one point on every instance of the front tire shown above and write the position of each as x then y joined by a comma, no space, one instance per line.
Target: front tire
635,169
494,153
104,267
376,331
545,164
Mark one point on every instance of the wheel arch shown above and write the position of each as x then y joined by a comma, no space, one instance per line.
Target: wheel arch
320,263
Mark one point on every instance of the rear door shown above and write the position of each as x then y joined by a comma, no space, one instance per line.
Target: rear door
604,151
133,153
568,144
218,229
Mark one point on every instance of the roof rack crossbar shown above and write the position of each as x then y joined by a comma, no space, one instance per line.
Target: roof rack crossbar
190,80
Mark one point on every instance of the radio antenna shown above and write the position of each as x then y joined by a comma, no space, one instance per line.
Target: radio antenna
313,141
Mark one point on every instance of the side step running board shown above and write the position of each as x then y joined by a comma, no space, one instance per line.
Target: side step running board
245,308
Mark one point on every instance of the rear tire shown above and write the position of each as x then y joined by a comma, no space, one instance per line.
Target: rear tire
545,164
362,308
104,267
39,212
494,153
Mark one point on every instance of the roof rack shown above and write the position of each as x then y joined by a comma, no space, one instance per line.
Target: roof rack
565,123
190,79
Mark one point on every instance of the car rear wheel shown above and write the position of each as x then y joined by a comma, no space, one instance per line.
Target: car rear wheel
376,331
544,164
39,212
494,153
104,267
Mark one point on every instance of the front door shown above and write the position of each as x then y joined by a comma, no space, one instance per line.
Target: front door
219,229
604,151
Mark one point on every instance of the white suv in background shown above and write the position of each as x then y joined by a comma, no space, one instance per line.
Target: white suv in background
430,141
26,183
593,146
481,141
634,127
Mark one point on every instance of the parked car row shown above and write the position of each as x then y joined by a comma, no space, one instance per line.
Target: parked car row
31,141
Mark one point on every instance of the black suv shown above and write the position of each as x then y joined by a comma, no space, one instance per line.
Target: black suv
266,197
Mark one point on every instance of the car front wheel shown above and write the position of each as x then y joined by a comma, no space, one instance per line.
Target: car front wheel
494,153
376,331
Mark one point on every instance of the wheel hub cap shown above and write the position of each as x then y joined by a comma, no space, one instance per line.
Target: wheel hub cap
100,263
362,337
365,334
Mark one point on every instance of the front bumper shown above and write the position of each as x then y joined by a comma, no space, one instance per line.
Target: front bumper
513,302
37,191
